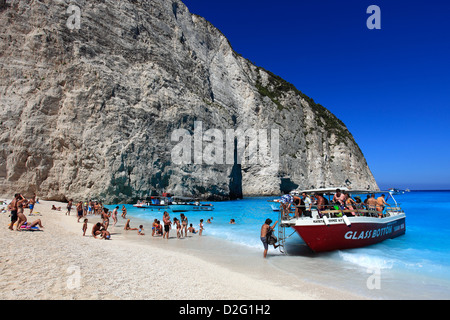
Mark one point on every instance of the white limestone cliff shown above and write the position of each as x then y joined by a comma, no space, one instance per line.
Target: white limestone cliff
89,112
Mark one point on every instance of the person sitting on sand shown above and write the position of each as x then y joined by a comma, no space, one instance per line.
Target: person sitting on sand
159,229
127,226
99,230
191,229
56,208
141,230
35,223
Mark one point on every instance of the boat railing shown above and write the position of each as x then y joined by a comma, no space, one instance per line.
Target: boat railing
335,211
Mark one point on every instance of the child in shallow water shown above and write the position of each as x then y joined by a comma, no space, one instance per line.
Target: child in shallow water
177,223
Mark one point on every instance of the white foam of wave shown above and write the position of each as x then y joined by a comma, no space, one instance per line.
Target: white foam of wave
236,236
367,260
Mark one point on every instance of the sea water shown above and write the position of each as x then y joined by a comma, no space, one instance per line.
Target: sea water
413,266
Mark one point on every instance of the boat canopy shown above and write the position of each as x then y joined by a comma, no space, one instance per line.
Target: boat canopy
333,190
184,198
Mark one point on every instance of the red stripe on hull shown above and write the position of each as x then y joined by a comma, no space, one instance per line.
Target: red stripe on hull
339,236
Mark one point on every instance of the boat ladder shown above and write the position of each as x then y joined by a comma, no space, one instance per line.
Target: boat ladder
282,239
282,225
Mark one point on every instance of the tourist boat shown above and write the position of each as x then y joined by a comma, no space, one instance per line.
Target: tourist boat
157,203
396,191
183,204
337,228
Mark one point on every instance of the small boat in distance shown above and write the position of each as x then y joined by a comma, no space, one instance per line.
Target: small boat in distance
183,204
353,225
396,191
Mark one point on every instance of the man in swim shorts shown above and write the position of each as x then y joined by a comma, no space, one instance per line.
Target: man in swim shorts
31,205
167,222
264,232
80,210
13,208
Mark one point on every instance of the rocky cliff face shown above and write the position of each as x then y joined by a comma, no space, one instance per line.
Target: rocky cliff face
90,112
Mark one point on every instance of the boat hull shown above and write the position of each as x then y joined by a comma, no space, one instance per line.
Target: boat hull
337,235
152,207
190,207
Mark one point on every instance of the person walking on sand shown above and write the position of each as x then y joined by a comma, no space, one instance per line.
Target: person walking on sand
266,229
79,210
84,226
69,207
114,215
13,208
31,204
167,223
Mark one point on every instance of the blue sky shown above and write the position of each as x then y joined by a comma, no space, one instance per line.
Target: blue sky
391,87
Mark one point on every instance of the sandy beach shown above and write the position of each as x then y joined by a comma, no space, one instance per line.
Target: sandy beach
57,262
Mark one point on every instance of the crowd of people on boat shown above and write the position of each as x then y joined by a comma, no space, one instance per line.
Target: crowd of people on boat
342,200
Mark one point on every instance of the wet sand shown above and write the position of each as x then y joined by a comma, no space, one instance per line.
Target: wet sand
59,263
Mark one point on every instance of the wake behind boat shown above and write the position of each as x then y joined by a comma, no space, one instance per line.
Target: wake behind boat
347,225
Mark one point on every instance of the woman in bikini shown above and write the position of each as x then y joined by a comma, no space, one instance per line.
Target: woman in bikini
184,224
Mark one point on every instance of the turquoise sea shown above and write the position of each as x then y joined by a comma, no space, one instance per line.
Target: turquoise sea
413,266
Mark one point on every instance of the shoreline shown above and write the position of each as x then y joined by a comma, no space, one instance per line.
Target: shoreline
130,266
